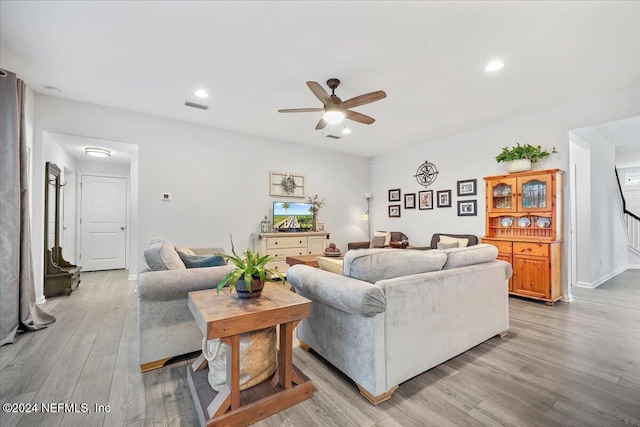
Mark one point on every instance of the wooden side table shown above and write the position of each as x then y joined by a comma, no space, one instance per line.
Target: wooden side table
222,315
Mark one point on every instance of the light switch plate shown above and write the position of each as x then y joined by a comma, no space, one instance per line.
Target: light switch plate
166,197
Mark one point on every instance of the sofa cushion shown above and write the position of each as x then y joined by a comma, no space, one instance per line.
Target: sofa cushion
161,255
330,264
200,261
184,250
478,254
372,265
462,242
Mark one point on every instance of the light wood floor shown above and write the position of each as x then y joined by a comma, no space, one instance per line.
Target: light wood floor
573,364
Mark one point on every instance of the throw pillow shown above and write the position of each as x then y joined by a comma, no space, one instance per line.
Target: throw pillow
185,250
161,255
442,246
377,242
199,261
386,234
448,239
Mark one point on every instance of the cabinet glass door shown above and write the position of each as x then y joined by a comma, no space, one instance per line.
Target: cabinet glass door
501,195
534,193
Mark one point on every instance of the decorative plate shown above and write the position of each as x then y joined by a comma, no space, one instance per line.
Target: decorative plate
524,222
543,222
506,222
501,206
333,254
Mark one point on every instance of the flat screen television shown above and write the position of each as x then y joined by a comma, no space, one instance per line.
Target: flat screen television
292,216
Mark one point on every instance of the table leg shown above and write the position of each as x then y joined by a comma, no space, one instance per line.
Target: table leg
285,362
200,363
233,369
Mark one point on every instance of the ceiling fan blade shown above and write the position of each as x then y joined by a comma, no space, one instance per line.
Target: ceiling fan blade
321,124
301,110
363,99
320,93
359,117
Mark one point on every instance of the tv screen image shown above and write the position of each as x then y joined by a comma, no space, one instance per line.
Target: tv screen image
292,216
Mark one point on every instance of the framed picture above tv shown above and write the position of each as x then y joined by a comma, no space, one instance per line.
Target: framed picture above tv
287,184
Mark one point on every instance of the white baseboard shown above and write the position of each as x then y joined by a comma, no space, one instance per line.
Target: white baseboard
133,277
568,298
41,300
602,279
633,267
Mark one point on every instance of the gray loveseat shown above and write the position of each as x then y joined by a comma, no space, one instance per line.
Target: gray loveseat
166,327
394,313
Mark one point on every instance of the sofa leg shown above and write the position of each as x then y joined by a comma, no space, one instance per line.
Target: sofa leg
153,365
304,345
503,334
376,399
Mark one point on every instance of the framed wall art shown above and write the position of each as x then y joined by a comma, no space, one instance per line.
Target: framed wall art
467,187
444,199
425,199
467,208
394,195
394,211
410,200
286,184
320,226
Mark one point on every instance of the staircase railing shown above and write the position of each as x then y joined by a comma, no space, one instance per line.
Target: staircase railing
632,221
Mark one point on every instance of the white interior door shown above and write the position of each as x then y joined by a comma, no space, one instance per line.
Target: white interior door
103,223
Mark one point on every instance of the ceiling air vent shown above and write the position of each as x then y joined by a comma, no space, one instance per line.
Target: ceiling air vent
334,136
194,105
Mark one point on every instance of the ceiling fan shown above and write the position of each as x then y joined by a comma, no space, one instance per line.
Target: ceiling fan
335,109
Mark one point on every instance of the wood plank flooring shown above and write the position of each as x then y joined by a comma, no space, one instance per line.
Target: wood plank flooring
572,364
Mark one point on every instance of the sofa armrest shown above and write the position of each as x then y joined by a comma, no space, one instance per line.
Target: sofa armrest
341,292
167,285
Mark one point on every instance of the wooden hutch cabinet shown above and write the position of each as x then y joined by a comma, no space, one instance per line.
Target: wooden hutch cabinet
524,213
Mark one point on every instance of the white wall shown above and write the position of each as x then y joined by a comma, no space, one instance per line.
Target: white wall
580,167
608,235
472,155
219,179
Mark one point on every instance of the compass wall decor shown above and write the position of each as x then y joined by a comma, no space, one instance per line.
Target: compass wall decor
426,174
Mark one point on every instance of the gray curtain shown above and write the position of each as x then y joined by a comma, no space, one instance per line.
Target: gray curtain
18,310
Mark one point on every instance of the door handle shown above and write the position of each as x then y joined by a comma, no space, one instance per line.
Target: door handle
123,228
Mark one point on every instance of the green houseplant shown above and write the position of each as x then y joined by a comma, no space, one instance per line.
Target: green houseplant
250,273
520,157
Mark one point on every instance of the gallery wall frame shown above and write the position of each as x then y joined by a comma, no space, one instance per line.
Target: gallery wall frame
425,200
443,198
467,208
467,187
394,211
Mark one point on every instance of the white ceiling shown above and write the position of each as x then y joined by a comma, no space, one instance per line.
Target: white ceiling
74,145
254,58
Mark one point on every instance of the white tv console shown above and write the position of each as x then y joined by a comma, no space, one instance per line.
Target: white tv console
281,245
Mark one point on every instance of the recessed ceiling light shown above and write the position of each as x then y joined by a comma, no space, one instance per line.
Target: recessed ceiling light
494,66
97,152
201,93
346,131
52,89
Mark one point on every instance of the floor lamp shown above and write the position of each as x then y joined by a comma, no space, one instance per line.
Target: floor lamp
366,215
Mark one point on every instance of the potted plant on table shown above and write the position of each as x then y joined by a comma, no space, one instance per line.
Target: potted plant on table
520,157
250,274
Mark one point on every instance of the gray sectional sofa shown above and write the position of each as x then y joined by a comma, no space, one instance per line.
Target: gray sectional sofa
166,327
395,313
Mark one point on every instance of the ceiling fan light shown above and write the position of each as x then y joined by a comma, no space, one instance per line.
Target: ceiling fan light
333,116
346,131
97,152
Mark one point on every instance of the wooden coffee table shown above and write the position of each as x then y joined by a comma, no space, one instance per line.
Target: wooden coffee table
222,315
310,260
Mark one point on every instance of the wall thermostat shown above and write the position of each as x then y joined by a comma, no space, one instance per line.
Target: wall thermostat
166,196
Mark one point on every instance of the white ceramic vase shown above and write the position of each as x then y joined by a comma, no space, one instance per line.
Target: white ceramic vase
520,165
